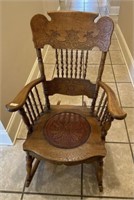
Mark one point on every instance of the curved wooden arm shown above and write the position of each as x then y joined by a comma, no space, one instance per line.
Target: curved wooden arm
113,106
20,99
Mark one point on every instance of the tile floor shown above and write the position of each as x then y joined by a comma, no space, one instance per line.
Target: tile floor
53,182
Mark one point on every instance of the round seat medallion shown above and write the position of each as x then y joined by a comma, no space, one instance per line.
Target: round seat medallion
67,130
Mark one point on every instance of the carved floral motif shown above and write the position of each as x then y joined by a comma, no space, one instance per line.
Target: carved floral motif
67,130
47,32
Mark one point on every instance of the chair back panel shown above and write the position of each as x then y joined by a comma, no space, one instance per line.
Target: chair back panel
73,35
71,87
71,63
72,30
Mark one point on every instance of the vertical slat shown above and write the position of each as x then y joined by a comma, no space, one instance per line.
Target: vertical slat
32,108
62,63
71,63
85,65
102,108
104,115
100,102
36,107
66,63
81,64
57,62
25,119
29,113
76,63
39,99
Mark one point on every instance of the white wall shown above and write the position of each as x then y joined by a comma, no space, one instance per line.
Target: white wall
16,49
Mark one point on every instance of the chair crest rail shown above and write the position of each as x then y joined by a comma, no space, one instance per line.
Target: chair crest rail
73,31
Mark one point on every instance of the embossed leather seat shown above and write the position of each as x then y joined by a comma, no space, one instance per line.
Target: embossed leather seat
68,134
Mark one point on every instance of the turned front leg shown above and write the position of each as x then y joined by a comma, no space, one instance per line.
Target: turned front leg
29,161
99,174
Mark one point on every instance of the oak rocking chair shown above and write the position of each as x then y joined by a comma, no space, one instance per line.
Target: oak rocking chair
68,134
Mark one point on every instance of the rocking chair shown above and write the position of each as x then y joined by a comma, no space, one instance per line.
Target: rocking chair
68,134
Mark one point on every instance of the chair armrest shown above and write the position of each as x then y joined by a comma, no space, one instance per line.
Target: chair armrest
113,105
20,99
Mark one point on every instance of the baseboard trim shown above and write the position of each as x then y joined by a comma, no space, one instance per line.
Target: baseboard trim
15,122
129,60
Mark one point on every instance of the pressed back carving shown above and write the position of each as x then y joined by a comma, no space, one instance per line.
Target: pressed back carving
73,35
72,30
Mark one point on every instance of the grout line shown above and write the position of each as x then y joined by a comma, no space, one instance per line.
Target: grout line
127,107
10,191
52,194
109,142
64,195
108,197
23,192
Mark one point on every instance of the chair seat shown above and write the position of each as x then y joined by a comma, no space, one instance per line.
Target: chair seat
87,144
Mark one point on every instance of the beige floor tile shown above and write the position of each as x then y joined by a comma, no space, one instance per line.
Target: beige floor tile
12,167
117,132
95,57
117,58
118,173
92,72
113,87
22,132
126,92
108,74
49,71
66,100
59,179
45,197
114,37
9,196
114,45
50,57
130,122
121,73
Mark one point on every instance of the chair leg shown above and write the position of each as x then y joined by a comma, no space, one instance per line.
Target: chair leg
30,169
99,174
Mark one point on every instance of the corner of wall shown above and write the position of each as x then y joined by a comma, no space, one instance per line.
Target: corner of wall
4,137
126,52
9,135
